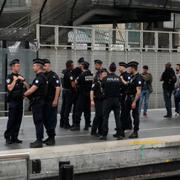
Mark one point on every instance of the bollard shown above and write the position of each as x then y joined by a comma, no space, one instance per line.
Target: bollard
68,172
61,166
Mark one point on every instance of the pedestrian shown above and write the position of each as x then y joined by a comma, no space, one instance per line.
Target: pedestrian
37,95
51,103
146,90
133,96
68,84
125,116
83,104
168,78
16,85
177,91
97,98
112,87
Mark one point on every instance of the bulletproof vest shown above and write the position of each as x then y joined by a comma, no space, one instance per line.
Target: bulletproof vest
41,92
99,93
131,89
65,79
112,86
86,83
50,89
18,91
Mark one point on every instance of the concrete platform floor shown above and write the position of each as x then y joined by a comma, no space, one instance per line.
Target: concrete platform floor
153,126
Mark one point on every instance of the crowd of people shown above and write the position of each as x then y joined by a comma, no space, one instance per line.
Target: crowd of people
106,91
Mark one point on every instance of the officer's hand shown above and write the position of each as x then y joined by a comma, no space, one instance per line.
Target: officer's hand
15,78
133,105
21,78
92,103
55,104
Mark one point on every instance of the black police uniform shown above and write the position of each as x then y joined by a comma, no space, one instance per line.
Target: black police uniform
50,112
84,84
98,100
15,99
67,97
112,87
124,116
136,81
37,100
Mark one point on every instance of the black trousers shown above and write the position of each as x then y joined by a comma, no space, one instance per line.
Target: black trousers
14,119
50,119
38,118
135,112
167,99
125,116
83,105
98,119
67,102
111,104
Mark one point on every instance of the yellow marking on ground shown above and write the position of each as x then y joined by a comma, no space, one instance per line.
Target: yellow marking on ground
168,161
146,142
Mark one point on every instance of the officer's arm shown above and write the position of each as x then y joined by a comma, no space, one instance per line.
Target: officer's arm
26,85
11,86
31,90
73,84
138,94
57,95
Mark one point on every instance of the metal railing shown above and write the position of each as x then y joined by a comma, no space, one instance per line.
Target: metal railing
153,4
107,38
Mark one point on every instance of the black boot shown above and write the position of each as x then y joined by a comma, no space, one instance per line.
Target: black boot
36,144
134,135
75,128
50,141
46,140
8,141
17,141
119,134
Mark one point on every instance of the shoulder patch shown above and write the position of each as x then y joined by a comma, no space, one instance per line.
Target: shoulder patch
8,80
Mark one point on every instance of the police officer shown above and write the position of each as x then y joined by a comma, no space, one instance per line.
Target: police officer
112,86
37,94
16,84
133,95
97,97
84,84
76,73
68,84
51,103
126,123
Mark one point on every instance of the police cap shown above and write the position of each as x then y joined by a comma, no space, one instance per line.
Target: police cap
81,60
123,64
133,64
97,61
14,61
46,61
112,67
85,64
38,61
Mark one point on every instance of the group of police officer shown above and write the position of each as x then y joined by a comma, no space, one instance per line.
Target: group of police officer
43,93
106,91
